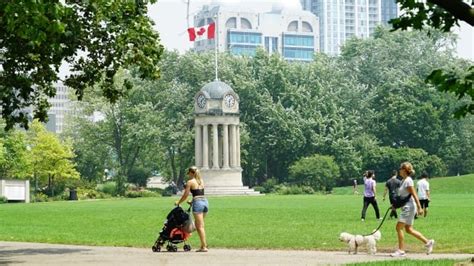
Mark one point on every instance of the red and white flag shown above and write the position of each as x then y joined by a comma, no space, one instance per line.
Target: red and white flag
202,33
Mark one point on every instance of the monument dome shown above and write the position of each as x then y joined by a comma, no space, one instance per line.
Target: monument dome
216,89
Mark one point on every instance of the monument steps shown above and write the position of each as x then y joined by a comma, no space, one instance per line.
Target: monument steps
231,191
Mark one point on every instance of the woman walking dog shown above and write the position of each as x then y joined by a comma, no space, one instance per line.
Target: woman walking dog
199,204
407,216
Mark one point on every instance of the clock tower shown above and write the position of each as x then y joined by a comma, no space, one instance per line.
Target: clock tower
217,139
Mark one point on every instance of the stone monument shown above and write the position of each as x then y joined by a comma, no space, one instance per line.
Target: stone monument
217,140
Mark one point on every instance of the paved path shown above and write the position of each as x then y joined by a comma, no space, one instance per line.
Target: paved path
17,253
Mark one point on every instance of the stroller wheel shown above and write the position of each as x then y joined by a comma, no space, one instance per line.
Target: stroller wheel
187,247
156,249
171,248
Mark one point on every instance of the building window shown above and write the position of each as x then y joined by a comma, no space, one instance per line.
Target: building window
231,23
296,40
307,27
293,26
244,38
245,24
271,44
298,53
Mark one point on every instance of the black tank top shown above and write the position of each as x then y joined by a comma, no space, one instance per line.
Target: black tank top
197,192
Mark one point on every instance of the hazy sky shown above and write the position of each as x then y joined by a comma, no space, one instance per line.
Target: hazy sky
171,23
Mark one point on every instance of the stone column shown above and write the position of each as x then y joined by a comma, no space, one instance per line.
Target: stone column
237,136
205,148
225,146
215,147
198,146
233,144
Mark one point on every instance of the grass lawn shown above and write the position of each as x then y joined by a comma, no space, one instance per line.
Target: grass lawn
272,221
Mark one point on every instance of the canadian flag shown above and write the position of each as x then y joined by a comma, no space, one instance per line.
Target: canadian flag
201,33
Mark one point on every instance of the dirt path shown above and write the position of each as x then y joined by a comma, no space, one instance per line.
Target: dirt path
16,253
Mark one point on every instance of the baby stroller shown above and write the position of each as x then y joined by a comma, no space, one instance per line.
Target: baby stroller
172,231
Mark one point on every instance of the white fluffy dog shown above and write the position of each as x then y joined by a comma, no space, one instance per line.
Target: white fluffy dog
354,241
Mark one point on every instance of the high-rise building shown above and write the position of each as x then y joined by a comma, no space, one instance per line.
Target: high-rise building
389,10
284,28
61,106
340,20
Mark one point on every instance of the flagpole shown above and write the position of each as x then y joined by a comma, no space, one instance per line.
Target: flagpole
187,11
215,45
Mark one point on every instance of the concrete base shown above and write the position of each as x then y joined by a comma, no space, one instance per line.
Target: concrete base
225,182
222,178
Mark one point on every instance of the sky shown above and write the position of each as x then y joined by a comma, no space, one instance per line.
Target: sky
170,19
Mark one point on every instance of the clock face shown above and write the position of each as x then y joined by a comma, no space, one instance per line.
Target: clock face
201,101
229,100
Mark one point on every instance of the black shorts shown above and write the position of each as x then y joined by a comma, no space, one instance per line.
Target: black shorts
424,203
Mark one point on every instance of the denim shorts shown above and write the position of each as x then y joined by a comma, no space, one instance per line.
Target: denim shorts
200,205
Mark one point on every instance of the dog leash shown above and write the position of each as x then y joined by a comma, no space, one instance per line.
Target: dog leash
381,223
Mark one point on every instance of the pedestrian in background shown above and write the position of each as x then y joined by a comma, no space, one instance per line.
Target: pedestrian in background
369,194
423,189
391,186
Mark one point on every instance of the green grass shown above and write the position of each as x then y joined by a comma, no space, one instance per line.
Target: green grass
275,222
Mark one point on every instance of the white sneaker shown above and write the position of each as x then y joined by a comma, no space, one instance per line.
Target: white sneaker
429,246
398,253
362,220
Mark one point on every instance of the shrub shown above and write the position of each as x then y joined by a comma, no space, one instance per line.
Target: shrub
293,190
108,188
317,171
141,194
87,193
169,191
3,200
269,186
39,197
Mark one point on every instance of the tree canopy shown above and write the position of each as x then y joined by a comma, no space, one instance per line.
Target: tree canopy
357,108
443,15
96,39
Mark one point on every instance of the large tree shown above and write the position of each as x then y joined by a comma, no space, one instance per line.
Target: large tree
442,14
96,39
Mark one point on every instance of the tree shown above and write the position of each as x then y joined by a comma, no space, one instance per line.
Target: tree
51,158
14,155
442,15
97,39
128,131
318,171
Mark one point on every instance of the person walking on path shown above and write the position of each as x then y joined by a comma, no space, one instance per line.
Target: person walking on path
407,216
391,186
199,204
423,189
369,194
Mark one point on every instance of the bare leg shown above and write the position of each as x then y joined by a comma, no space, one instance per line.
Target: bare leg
415,233
401,237
199,220
425,211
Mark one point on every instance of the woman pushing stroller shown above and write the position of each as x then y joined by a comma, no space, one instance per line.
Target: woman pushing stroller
199,204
